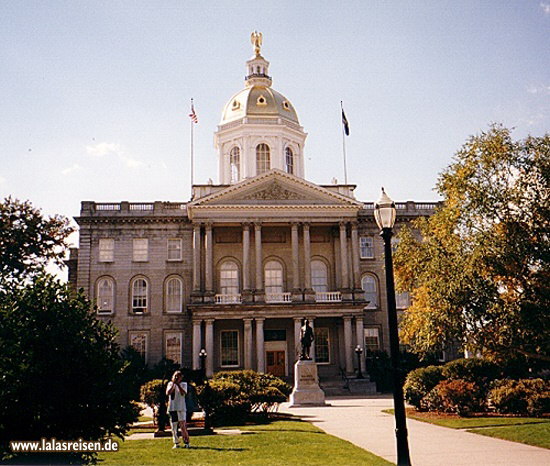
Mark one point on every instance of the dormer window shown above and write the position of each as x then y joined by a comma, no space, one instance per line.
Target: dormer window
261,100
286,106
236,105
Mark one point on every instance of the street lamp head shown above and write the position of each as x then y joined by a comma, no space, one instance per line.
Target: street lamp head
384,211
203,353
358,349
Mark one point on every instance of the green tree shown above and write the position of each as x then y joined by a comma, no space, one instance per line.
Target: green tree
28,239
480,273
61,374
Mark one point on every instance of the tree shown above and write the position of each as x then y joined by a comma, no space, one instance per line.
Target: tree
480,273
28,239
61,374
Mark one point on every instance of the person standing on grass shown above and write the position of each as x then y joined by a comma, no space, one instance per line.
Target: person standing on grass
176,391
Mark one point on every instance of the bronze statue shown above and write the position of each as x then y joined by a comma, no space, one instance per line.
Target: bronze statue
306,339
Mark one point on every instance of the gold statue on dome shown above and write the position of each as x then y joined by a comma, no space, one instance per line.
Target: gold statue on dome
256,40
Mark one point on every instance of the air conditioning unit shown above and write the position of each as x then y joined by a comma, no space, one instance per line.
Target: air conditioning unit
140,310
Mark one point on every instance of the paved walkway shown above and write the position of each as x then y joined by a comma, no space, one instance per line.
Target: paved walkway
362,422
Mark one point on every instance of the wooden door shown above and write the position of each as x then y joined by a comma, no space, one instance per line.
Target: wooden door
275,363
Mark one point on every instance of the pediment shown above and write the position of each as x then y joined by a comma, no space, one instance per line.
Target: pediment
275,188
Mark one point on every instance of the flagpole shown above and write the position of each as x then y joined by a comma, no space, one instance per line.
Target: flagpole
192,150
344,146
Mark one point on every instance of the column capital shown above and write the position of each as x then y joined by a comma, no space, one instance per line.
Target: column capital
305,225
259,319
294,224
197,225
209,321
347,318
354,225
247,320
257,225
246,225
208,226
342,224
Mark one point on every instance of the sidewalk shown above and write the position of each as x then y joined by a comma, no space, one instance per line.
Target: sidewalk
362,422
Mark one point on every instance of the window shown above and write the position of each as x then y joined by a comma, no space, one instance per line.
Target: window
322,345
319,276
366,246
229,278
402,300
289,161
273,277
173,294
141,246
372,340
229,348
139,296
105,295
263,158
173,346
370,286
106,249
235,164
139,341
174,249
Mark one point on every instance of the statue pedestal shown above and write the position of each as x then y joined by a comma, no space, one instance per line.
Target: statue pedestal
306,385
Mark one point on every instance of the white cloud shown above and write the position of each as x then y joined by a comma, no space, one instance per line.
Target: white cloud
539,89
545,7
110,148
2,180
74,167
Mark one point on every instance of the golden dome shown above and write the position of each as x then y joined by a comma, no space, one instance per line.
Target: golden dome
258,102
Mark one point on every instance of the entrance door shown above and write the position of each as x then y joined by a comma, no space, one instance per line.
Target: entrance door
275,363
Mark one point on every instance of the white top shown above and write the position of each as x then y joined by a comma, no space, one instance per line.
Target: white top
177,400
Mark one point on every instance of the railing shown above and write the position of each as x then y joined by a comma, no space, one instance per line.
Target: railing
107,206
227,299
278,297
174,205
142,206
328,296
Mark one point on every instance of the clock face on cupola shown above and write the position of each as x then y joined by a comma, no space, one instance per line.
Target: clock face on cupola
259,128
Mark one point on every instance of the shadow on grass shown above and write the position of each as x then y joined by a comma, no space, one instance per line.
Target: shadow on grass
218,448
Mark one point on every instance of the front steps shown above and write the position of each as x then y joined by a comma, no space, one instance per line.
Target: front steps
350,386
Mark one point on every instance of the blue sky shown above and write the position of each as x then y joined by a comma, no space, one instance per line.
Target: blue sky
94,95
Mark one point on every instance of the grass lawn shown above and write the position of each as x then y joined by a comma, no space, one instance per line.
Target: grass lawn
276,443
530,430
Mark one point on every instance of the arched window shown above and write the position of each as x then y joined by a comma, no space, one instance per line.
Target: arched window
289,161
273,278
235,164
173,294
370,286
263,158
319,276
139,296
105,295
229,278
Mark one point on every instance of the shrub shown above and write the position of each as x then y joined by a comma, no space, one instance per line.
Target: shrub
153,394
455,396
526,396
235,395
477,370
420,382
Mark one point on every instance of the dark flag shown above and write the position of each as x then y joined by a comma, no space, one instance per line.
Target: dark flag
345,123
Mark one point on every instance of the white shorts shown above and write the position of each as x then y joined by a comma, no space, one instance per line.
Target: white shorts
176,416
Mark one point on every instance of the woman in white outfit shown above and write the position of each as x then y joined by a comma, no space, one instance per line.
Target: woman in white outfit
176,391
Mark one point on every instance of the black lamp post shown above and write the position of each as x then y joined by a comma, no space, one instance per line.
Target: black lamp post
359,352
202,356
384,213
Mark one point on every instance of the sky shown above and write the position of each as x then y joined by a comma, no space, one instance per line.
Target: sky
95,95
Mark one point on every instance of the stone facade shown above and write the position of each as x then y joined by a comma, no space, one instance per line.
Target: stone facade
237,268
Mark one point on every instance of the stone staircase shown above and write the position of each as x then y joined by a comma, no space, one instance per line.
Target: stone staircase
349,386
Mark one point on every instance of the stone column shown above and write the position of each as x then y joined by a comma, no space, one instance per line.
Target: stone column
360,339
248,343
246,256
348,343
309,294
297,344
208,272
196,344
209,346
355,256
259,295
344,255
260,347
196,257
295,257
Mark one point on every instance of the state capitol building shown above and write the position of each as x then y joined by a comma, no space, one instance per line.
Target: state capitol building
236,268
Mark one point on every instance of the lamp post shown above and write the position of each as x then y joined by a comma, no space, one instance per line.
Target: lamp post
384,213
202,356
359,352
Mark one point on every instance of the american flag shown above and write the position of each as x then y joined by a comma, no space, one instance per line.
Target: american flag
193,115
